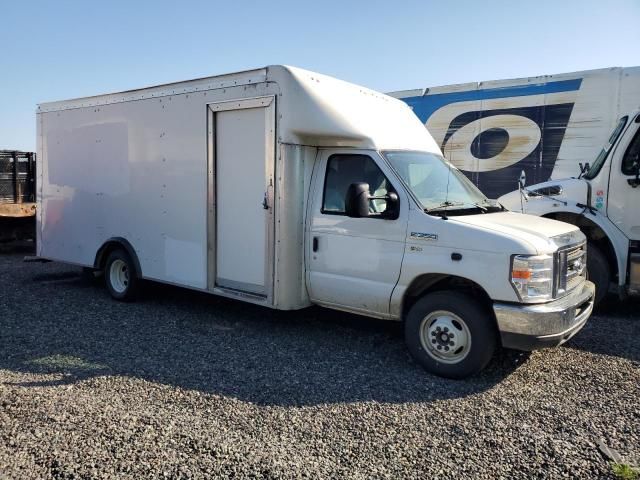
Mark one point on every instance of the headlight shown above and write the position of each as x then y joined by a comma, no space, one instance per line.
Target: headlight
532,277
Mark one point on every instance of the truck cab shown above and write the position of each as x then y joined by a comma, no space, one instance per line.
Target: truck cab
602,201
404,235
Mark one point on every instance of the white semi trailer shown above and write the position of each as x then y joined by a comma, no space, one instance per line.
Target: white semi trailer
603,199
544,125
286,188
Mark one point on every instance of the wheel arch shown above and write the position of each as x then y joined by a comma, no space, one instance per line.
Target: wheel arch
596,234
112,244
434,282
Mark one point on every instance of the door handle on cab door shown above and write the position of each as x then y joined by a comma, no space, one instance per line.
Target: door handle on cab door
315,244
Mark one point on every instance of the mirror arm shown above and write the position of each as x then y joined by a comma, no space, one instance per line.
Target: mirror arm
583,169
388,213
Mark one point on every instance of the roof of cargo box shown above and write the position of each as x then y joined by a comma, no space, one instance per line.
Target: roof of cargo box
246,77
323,111
313,109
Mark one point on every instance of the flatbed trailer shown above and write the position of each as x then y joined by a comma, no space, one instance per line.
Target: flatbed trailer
17,195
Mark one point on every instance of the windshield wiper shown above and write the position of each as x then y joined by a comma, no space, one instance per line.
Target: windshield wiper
484,209
443,205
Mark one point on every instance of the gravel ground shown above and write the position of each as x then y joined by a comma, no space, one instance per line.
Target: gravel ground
187,385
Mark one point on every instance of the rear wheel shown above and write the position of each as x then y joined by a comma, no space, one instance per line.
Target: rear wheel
450,334
598,271
120,275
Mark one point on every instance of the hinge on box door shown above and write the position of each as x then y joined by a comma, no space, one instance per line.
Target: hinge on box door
265,200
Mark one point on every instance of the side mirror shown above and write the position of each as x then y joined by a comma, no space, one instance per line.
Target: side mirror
522,180
584,168
357,201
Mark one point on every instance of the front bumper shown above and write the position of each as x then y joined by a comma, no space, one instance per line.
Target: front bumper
529,327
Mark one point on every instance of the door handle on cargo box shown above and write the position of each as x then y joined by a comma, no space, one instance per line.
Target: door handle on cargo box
265,204
315,244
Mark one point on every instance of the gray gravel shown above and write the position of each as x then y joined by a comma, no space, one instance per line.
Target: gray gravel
186,385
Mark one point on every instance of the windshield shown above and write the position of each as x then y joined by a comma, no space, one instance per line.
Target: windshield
436,183
602,156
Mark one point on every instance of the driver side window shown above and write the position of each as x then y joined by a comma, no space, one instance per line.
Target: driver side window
345,169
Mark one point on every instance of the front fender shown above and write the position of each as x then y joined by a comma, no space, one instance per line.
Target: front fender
490,271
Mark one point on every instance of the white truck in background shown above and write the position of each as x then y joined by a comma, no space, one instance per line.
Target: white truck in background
603,199
545,125
287,188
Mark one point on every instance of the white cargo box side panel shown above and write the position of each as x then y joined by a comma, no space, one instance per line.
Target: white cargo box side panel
135,170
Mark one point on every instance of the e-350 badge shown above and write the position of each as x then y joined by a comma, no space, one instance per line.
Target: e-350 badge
424,236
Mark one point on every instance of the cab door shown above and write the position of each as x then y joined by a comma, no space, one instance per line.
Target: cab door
354,263
623,205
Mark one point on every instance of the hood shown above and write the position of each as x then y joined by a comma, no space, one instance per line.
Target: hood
570,190
537,231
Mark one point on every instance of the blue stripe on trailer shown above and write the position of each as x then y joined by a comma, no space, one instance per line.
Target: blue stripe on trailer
424,106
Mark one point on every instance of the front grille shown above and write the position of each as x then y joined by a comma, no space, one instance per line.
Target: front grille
572,268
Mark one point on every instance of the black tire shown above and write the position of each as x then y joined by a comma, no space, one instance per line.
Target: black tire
480,329
120,276
598,272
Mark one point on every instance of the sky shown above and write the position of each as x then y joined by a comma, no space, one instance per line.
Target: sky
54,50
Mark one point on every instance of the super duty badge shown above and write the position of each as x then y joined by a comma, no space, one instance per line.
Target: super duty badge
424,236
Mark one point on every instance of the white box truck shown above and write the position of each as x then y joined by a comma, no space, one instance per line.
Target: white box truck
603,199
545,125
287,188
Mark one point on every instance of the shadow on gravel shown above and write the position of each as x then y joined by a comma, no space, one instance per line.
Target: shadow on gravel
61,324
24,247
613,329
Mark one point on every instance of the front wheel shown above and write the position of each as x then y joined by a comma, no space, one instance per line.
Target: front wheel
120,275
450,334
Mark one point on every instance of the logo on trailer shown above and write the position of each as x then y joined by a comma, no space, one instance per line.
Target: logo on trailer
493,134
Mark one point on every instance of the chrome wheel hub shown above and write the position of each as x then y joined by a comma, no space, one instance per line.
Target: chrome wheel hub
119,276
445,336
